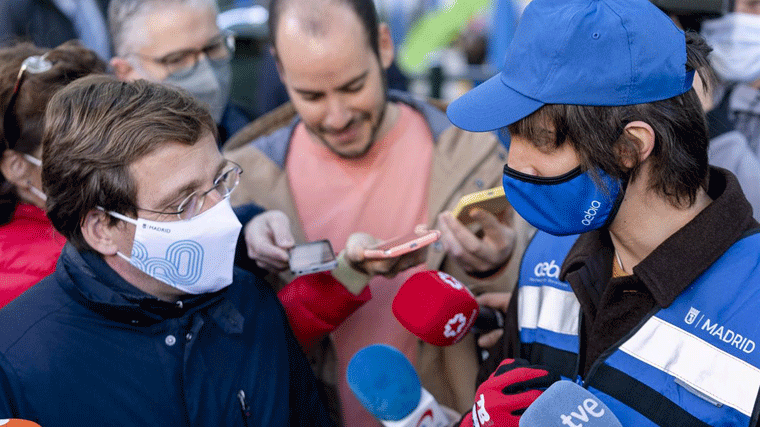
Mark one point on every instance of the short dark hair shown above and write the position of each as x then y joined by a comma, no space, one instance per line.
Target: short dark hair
679,158
95,128
70,61
364,9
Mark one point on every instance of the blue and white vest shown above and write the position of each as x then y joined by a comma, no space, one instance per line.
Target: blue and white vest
695,363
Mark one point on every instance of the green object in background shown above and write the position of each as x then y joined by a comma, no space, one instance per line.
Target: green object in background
434,31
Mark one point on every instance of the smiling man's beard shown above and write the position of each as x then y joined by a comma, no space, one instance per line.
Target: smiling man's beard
364,116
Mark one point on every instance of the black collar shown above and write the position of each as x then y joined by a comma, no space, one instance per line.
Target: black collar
685,255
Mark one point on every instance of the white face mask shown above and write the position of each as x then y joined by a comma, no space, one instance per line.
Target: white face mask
735,39
194,256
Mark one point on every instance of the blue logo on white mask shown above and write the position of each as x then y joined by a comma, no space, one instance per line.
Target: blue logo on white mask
563,205
182,265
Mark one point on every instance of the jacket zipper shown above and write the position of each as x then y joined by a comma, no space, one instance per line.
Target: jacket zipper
245,410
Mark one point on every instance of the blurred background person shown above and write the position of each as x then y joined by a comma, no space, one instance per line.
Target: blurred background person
178,42
29,76
49,23
735,39
734,104
729,145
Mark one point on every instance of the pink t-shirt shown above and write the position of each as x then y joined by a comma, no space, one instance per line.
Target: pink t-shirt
385,194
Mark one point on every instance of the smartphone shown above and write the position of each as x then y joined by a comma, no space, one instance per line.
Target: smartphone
401,245
491,200
312,257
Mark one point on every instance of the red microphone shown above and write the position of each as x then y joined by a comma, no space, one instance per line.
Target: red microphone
435,307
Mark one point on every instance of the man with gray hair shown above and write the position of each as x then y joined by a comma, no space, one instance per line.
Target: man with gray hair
177,42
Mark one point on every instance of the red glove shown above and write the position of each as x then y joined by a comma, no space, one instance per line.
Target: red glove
507,393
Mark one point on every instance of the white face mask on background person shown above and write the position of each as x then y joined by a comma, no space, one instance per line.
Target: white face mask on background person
735,39
195,256
210,82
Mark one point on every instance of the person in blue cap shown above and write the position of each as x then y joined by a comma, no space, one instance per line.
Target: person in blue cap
642,281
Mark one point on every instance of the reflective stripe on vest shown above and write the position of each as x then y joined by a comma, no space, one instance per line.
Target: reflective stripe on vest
555,319
699,353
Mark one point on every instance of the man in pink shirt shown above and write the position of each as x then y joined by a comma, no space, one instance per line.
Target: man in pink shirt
348,155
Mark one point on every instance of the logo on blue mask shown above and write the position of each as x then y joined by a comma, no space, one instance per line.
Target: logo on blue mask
563,205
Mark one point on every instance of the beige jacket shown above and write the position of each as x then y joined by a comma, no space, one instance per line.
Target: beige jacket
463,163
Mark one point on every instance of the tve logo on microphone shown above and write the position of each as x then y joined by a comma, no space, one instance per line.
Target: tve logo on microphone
565,403
589,407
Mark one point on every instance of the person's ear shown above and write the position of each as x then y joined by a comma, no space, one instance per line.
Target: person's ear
15,168
385,45
123,69
99,233
644,138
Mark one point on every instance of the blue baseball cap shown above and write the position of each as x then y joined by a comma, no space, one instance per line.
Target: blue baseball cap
580,52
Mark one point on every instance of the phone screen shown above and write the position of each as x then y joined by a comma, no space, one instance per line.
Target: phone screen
312,257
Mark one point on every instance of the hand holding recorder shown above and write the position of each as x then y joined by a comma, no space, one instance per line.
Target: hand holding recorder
499,302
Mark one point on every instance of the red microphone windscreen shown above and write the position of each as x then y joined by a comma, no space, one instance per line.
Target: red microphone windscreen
435,307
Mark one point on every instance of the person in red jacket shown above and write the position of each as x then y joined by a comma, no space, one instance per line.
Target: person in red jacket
29,246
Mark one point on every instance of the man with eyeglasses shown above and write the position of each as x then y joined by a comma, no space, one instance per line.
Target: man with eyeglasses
145,322
177,42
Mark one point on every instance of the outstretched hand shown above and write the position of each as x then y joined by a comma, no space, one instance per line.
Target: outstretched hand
268,238
387,267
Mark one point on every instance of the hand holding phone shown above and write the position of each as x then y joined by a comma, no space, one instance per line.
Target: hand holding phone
404,244
312,257
492,200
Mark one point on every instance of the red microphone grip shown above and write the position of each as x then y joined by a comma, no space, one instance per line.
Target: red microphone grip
435,307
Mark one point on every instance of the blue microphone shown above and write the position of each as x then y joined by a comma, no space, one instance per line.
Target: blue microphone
386,384
566,403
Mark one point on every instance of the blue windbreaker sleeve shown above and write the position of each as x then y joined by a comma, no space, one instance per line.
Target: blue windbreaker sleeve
9,392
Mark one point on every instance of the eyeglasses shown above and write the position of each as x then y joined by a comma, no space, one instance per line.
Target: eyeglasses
192,205
182,63
35,65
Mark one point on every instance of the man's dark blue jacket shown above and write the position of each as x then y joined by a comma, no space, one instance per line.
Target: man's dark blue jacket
84,346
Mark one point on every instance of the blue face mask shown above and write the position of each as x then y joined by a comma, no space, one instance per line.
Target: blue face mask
567,204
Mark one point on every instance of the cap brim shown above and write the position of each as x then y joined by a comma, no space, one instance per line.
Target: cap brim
489,106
